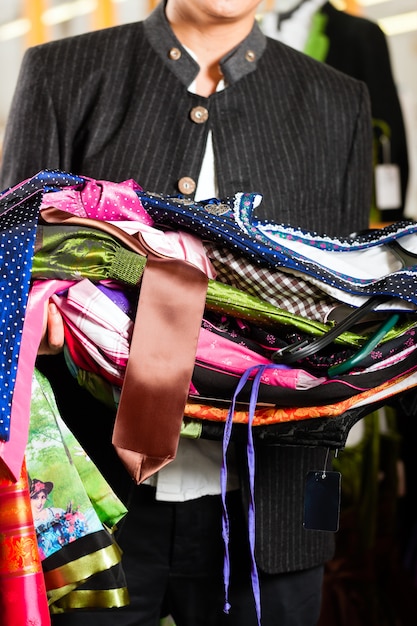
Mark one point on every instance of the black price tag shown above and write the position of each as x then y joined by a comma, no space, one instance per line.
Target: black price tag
322,500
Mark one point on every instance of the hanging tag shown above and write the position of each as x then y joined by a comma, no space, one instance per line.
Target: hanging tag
387,179
387,186
322,499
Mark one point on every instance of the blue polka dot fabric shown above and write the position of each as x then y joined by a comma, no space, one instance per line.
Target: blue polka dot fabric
19,210
17,237
230,222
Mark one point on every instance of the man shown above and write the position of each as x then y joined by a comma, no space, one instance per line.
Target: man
195,100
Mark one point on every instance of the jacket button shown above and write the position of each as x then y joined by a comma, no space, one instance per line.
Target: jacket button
250,56
199,115
174,54
186,185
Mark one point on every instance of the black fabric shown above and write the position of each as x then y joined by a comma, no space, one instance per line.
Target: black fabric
75,79
182,569
111,578
287,467
328,432
333,390
359,48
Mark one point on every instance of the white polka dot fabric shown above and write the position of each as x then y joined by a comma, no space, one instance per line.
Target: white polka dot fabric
19,209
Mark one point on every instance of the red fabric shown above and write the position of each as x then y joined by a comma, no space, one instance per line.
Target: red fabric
23,598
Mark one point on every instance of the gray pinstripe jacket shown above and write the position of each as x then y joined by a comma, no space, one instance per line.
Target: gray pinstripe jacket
114,104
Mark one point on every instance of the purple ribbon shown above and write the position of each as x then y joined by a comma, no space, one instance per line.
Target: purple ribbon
250,451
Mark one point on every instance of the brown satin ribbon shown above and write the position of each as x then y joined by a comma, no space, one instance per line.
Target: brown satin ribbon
162,353
161,362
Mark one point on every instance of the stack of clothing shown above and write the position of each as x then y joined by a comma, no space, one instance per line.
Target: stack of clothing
200,315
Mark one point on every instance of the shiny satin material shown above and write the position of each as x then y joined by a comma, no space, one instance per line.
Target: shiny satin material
17,237
22,588
63,580
156,385
76,251
100,599
13,452
75,547
227,299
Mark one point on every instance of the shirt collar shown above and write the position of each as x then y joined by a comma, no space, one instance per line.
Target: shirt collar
240,61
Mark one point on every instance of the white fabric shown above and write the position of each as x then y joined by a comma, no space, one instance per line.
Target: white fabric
294,30
396,304
194,472
369,263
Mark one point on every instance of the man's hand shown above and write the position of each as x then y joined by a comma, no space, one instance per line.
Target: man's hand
52,341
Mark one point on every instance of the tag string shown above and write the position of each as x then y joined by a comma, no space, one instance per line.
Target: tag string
325,463
250,451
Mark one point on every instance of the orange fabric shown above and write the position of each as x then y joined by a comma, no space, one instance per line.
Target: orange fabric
273,415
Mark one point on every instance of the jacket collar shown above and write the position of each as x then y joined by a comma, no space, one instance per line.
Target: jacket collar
236,64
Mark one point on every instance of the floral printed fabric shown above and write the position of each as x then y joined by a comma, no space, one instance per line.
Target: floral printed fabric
72,505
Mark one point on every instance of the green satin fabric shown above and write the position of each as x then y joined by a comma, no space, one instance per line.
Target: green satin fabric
226,299
232,301
74,252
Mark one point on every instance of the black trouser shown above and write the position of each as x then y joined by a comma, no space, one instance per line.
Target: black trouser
173,560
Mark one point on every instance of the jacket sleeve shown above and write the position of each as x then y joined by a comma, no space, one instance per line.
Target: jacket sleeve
357,192
31,141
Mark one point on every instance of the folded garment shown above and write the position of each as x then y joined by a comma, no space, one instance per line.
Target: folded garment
116,259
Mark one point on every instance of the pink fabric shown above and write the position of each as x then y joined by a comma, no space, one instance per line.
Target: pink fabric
99,325
12,451
222,354
118,203
102,200
174,244
179,245
103,332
